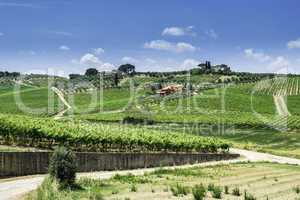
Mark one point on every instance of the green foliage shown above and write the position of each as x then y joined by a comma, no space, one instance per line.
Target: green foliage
33,101
91,72
133,188
210,187
63,166
48,190
99,137
199,192
179,172
226,189
127,69
236,191
51,190
178,190
248,196
297,189
130,178
217,192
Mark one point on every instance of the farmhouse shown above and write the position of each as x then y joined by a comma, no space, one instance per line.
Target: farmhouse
207,67
170,89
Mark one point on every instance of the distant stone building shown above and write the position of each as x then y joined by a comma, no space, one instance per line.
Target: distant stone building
221,68
205,66
208,68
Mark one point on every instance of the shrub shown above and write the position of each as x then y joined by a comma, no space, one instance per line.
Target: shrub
135,120
96,196
130,178
133,188
199,192
236,192
115,191
248,196
297,189
210,187
226,189
63,166
48,190
217,192
179,190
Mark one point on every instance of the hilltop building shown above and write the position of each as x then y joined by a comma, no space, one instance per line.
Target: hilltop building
208,68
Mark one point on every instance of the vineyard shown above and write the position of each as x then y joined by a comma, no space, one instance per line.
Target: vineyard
282,86
46,133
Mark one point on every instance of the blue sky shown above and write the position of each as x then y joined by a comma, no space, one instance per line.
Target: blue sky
69,36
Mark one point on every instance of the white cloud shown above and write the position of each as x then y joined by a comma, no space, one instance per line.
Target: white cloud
293,44
107,66
168,46
1,34
258,56
90,60
25,5
174,31
64,48
277,64
182,46
212,34
61,33
178,31
98,51
127,59
189,63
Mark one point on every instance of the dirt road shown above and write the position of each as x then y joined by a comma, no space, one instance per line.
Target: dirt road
281,106
62,98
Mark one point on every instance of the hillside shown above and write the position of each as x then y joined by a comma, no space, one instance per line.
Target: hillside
208,104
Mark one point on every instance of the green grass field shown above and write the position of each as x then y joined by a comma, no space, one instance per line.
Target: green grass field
95,101
32,101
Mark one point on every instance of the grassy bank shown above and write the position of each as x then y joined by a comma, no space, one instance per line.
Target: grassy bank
262,180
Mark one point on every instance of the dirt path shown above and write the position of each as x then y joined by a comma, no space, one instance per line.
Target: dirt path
20,82
12,189
62,98
281,106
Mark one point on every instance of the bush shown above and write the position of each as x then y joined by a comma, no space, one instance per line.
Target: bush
248,196
226,189
297,189
199,192
135,120
210,187
63,167
236,192
133,188
217,192
179,190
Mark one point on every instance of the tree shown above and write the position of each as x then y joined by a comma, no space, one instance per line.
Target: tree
116,79
127,69
91,72
63,166
74,76
196,71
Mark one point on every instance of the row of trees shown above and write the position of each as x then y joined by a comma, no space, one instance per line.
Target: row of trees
9,74
127,69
